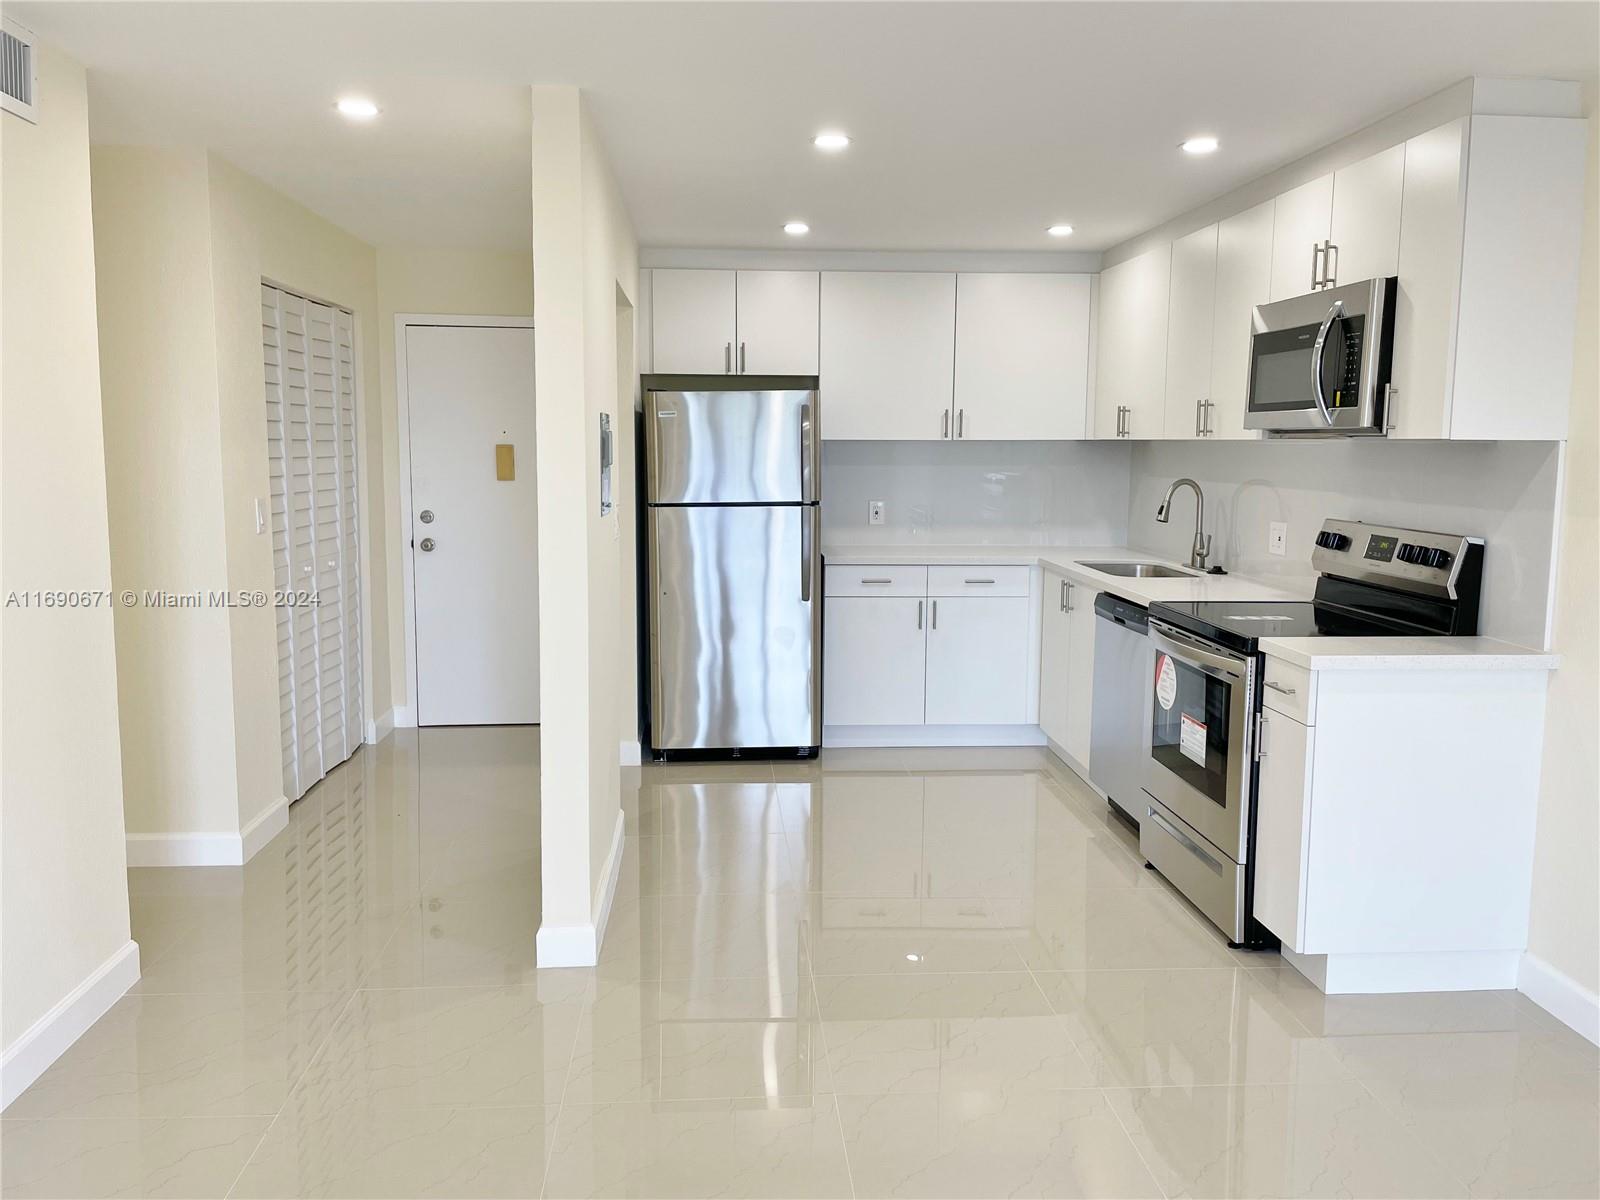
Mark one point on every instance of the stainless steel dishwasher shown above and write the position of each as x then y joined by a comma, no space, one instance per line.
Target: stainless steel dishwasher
1120,728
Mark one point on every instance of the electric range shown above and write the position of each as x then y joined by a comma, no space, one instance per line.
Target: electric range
1200,772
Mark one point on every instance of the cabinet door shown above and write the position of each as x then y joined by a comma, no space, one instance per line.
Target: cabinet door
1130,368
1022,356
1431,213
1365,229
777,323
1283,817
1301,220
1053,660
1189,328
692,322
873,660
977,661
887,355
869,835
1244,280
1080,670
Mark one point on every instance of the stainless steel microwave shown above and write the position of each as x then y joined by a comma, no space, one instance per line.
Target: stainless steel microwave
1319,363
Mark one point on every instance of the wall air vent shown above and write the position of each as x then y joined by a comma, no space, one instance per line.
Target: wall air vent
19,76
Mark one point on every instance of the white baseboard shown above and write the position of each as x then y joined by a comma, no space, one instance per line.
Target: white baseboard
209,849
1427,971
1560,995
48,1038
381,728
632,754
404,718
931,735
579,945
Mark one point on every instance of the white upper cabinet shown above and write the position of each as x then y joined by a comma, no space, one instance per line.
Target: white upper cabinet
1022,356
887,355
1490,243
1244,278
777,322
1301,220
692,319
1189,327
1130,368
1365,230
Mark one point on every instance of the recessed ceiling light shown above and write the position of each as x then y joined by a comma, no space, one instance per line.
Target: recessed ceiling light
357,108
1199,145
796,228
830,141
1059,230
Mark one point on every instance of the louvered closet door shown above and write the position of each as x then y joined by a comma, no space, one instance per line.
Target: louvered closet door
310,394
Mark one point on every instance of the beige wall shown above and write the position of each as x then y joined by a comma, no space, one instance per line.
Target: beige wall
186,240
158,379
1565,927
585,287
64,897
459,283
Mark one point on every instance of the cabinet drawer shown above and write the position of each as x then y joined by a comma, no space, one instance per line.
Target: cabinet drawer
876,581
978,581
1290,690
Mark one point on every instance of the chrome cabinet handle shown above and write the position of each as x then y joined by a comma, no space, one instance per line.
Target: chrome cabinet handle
1318,349
1207,406
1389,393
961,423
919,614
977,581
933,614
1199,417
877,582
1330,264
1070,588
741,358
1278,687
1261,736
727,358
944,423
426,545
1316,270
1063,604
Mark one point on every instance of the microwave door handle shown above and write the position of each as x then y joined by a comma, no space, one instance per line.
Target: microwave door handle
1318,349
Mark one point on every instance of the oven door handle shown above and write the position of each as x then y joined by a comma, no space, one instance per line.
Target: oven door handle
1181,646
1319,349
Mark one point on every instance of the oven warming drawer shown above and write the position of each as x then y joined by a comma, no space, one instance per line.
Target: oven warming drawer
1212,881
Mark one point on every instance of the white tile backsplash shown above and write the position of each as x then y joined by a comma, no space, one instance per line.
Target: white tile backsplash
1503,492
995,493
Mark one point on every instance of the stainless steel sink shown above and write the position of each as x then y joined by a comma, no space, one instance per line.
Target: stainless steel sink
1139,570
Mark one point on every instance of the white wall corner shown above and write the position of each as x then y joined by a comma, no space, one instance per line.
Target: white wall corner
632,754
1561,996
266,825
48,1038
380,728
579,945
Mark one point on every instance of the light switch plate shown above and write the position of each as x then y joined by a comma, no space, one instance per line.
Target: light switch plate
874,512
1278,538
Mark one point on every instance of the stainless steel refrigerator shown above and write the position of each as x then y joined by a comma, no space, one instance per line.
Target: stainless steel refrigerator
732,494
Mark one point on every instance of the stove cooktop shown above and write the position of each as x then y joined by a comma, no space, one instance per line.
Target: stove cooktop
1239,624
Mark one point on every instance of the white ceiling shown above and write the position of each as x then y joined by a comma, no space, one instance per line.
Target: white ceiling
976,124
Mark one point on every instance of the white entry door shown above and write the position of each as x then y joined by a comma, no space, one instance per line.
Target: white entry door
474,524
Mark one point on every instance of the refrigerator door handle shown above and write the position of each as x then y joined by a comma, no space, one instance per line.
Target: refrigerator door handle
806,517
806,434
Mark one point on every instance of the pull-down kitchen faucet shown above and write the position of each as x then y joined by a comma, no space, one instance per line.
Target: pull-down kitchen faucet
1201,550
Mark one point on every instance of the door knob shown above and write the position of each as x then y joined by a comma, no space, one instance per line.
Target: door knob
426,516
426,544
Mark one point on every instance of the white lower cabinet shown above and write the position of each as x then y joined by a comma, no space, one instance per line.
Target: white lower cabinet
1283,820
977,672
873,660
1066,665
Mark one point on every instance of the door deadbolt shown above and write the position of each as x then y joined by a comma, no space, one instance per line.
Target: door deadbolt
426,516
426,544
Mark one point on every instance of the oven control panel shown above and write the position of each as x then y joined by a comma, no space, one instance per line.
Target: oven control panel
1414,560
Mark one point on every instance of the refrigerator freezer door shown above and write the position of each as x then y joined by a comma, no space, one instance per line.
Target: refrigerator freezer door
750,447
735,627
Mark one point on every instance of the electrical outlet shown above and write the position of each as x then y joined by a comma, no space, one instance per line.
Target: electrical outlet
1278,538
874,512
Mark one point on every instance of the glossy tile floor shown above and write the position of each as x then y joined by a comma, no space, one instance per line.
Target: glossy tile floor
890,974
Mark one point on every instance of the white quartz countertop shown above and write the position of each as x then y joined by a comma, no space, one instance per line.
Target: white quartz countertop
1318,653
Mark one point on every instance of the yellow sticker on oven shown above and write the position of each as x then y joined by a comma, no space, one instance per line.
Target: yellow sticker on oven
1192,739
1166,682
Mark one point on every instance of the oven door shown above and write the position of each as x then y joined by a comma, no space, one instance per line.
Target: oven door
1201,714
1319,363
